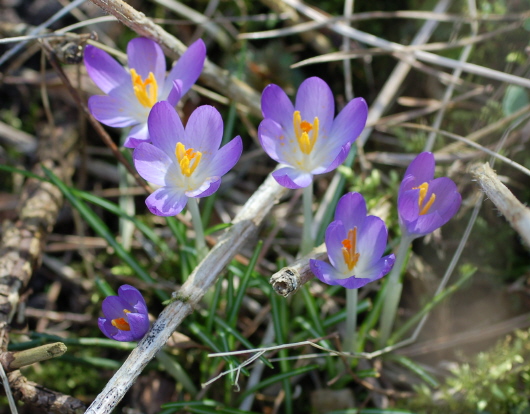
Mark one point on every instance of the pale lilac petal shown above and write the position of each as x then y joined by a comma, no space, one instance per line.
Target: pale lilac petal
354,282
139,324
131,295
445,190
350,122
408,183
290,178
165,128
113,307
315,99
422,167
189,67
204,131
176,93
327,166
351,210
106,73
277,106
166,201
145,55
335,234
272,139
325,272
124,336
138,134
408,207
371,240
227,156
212,187
111,111
379,269
151,163
107,328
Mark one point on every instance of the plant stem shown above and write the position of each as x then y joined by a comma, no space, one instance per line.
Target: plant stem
393,291
349,343
200,242
307,242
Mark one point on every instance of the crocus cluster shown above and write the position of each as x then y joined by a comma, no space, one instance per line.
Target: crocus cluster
126,316
425,203
355,243
306,137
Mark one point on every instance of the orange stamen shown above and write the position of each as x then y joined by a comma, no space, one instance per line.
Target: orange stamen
121,323
146,91
302,130
424,208
187,158
348,251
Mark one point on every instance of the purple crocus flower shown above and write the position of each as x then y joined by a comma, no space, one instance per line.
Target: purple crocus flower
425,203
125,315
132,92
355,243
185,162
305,137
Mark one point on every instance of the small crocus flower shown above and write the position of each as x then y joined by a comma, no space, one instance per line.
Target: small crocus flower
355,243
185,162
125,315
132,92
306,137
425,203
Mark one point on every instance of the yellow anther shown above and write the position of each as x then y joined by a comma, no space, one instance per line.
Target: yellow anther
424,208
348,251
187,158
302,130
146,91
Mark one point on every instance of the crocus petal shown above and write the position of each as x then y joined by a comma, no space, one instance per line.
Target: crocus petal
272,139
327,166
351,210
226,157
371,241
106,327
124,336
277,106
139,324
166,201
145,55
111,111
131,295
189,67
165,128
422,167
138,134
335,234
208,188
204,131
350,122
113,307
106,73
325,272
408,207
176,93
379,269
445,190
152,163
315,99
290,178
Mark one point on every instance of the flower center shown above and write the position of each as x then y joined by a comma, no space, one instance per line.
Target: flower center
146,91
187,158
302,129
348,251
121,323
424,208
